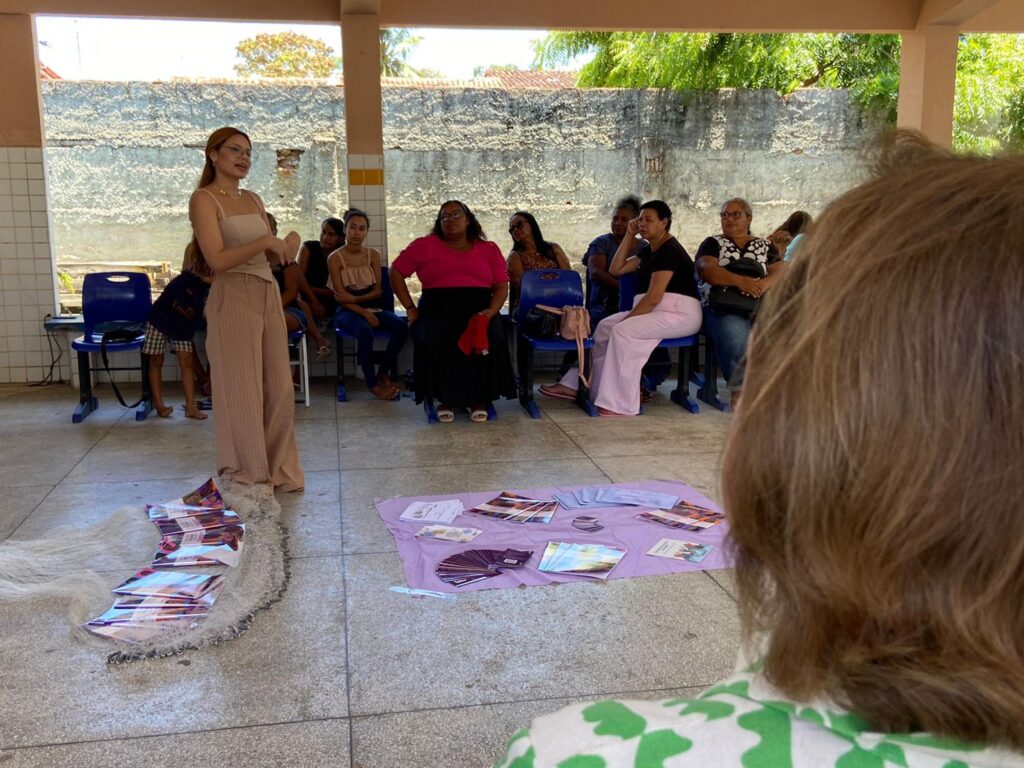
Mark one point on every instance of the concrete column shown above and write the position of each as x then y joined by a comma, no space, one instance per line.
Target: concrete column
27,271
360,50
928,82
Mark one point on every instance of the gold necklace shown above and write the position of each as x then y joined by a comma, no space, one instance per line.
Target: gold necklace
226,194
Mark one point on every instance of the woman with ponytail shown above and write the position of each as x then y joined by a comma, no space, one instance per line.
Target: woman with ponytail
254,409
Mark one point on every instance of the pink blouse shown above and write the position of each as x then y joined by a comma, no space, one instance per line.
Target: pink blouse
439,266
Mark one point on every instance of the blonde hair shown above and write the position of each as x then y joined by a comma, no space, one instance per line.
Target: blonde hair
193,253
873,471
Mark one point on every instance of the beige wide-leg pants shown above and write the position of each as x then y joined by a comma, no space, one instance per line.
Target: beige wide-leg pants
253,399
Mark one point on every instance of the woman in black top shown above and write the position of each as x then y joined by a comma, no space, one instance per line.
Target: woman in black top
313,263
667,305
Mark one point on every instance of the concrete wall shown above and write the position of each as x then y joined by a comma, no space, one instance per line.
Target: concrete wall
124,157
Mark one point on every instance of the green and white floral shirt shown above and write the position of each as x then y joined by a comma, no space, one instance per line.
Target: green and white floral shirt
742,723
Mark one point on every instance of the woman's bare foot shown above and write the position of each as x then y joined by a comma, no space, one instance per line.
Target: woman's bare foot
164,411
384,392
386,380
195,413
558,390
606,412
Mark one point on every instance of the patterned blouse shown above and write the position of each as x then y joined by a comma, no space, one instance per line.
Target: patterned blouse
740,723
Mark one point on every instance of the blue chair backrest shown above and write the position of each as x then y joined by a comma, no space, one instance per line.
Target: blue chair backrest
627,291
554,287
387,294
108,296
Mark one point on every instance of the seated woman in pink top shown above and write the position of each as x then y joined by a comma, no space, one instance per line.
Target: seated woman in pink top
462,275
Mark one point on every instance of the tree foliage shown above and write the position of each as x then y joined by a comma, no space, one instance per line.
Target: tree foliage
395,47
990,70
285,54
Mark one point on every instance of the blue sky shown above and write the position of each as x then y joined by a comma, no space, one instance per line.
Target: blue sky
132,49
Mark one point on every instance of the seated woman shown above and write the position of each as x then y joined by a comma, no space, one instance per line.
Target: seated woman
313,263
603,292
355,273
875,520
463,276
529,251
789,233
298,314
666,305
716,260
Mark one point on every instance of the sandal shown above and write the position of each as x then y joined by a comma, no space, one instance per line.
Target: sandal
445,413
556,391
323,353
477,413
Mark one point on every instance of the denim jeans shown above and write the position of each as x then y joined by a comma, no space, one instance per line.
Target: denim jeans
356,325
730,334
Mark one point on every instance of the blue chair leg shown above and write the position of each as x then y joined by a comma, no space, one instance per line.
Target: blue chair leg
709,392
524,362
681,394
431,411
491,413
342,394
144,408
583,399
87,403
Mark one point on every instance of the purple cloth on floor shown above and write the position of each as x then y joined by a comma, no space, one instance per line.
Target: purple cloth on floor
622,529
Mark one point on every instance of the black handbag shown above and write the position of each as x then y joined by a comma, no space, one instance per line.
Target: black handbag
728,299
119,332
541,324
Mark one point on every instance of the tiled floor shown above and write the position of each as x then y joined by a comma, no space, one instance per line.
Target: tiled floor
344,672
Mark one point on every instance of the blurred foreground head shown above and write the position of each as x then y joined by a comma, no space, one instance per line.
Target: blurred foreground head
874,474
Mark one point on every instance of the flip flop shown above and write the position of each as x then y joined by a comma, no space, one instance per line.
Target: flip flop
548,391
445,414
323,353
478,415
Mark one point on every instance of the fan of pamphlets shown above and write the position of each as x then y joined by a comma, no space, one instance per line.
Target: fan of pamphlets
196,531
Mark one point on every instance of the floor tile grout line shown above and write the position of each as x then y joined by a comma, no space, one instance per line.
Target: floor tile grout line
579,447
344,594
505,461
721,586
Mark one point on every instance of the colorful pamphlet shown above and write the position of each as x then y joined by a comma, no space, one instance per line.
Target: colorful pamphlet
203,521
582,498
170,584
675,549
448,533
219,546
473,565
444,511
595,561
207,495
517,509
687,519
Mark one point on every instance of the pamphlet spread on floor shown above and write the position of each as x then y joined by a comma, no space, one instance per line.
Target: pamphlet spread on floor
462,542
171,594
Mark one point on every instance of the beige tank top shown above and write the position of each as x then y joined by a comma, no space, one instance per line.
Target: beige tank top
356,280
241,229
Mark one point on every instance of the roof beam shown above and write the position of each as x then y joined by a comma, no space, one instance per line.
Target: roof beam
951,12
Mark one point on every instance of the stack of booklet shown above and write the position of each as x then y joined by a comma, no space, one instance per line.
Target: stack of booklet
593,560
517,509
196,530
584,498
475,565
683,516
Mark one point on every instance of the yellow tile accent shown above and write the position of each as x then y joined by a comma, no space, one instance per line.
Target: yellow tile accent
356,176
373,176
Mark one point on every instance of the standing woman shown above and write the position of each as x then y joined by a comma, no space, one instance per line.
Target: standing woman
247,344
529,251
355,274
463,275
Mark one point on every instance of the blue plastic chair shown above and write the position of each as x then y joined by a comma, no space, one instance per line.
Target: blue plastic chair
107,298
555,288
385,302
681,394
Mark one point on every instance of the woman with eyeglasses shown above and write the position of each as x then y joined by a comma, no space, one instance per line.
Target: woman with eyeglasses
736,269
529,251
463,276
247,340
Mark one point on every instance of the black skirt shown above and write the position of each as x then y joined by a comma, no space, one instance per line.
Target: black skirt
442,373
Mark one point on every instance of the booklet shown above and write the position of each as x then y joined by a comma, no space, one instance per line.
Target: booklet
675,549
695,520
170,584
173,554
206,495
444,511
473,565
636,498
517,509
448,533
197,522
595,561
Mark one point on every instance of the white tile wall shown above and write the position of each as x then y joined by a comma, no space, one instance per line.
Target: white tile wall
370,198
27,280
